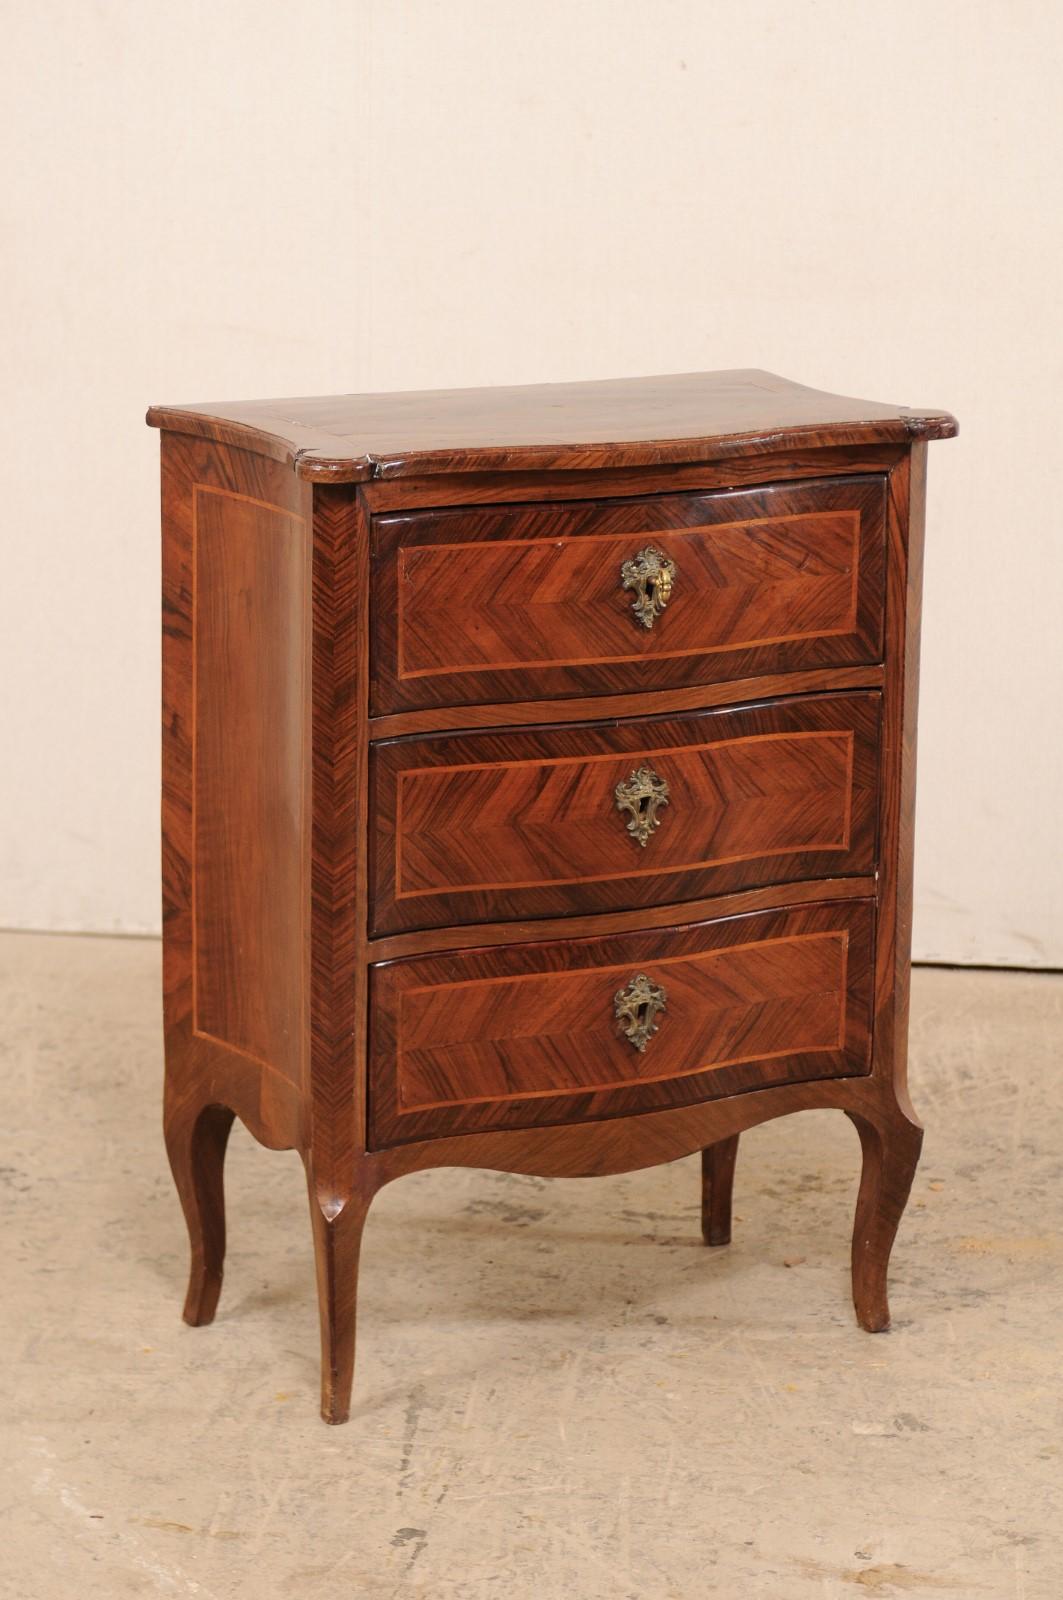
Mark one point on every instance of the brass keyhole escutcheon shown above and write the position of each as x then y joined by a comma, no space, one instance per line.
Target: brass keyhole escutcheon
636,1007
642,795
651,574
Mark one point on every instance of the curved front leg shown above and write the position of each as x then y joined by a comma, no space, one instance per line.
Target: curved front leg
195,1143
337,1246
891,1145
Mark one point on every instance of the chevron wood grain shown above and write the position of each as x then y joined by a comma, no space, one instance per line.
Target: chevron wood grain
339,756
494,825
529,1036
405,922
488,604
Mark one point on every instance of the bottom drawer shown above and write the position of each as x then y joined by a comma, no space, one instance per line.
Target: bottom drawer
586,1028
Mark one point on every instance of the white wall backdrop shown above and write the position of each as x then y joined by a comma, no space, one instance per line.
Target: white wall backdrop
226,199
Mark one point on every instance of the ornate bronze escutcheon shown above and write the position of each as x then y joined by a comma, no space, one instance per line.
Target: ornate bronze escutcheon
641,794
652,575
637,1007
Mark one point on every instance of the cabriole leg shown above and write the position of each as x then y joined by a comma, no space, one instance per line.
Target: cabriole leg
195,1142
890,1148
337,1245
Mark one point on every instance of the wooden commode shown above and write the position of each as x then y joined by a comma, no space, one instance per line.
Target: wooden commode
538,789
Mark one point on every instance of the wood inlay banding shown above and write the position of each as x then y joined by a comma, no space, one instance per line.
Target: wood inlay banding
397,931
507,1038
761,794
697,697
502,572
735,978
826,765
497,603
249,781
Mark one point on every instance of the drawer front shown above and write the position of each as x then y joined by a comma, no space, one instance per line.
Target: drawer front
488,604
609,816
591,1028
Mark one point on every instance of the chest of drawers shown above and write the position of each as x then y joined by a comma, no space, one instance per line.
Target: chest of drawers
537,791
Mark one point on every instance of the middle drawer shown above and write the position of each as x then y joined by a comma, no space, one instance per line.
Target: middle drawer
481,827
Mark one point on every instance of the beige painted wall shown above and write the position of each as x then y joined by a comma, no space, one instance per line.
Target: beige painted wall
228,198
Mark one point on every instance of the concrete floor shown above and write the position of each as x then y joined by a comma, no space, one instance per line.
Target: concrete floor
561,1392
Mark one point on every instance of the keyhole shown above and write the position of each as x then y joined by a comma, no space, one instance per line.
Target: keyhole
644,806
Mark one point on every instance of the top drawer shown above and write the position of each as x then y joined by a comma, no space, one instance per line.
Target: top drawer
488,604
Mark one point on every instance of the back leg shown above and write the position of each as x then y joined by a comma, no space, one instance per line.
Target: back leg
717,1184
195,1143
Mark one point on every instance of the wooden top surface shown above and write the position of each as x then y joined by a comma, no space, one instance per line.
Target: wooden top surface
619,422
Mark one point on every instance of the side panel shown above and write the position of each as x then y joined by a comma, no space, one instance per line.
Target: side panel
249,665
236,824
904,609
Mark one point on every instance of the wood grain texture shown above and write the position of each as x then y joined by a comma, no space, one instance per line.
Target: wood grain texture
249,775
890,1147
695,416
905,533
485,605
496,825
590,708
391,947
717,1188
207,1078
337,1229
339,878
231,825
268,604
436,490
195,1145
492,1039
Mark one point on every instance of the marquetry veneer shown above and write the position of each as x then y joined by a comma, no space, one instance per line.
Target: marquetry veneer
537,792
